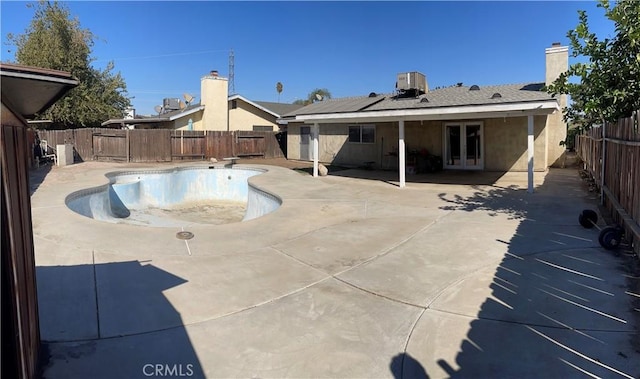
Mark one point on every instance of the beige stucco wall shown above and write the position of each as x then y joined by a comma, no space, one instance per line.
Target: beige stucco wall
182,123
505,143
334,146
213,95
245,116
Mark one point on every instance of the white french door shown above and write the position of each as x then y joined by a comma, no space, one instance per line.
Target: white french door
463,146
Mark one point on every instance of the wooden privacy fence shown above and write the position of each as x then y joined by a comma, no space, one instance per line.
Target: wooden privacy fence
611,154
163,145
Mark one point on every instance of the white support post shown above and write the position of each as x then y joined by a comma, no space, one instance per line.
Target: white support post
401,153
530,150
316,131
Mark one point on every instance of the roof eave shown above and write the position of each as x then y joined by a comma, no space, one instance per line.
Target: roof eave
236,97
187,113
32,90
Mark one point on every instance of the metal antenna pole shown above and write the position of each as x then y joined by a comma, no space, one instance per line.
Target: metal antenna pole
232,82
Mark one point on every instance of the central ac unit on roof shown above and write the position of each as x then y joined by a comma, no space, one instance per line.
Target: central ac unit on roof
171,104
412,81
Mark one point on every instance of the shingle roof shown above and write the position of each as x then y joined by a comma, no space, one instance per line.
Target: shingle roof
341,105
461,96
443,97
279,108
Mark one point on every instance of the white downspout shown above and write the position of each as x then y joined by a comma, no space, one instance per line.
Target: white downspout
401,153
316,131
530,150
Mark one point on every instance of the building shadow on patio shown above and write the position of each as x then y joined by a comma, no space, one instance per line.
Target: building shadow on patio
37,176
112,320
557,305
440,177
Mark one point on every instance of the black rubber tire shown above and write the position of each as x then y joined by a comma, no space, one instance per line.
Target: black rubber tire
588,218
610,237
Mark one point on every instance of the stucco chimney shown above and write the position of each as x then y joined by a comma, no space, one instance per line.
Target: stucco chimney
557,61
214,96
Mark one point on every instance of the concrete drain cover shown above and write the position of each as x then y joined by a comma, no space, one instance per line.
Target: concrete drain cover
184,235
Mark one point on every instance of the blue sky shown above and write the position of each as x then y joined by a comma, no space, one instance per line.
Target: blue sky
162,48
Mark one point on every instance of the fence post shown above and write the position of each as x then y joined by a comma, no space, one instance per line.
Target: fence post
604,157
128,147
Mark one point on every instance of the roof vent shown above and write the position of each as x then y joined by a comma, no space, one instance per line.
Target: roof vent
496,95
424,100
474,88
373,94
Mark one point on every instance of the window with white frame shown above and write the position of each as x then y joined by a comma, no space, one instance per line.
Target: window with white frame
362,133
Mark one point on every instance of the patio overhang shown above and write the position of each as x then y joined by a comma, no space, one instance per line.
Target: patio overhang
31,90
467,112
439,113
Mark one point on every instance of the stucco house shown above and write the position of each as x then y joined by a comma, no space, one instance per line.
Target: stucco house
215,111
261,116
492,128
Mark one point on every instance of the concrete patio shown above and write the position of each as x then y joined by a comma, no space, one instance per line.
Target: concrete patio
351,278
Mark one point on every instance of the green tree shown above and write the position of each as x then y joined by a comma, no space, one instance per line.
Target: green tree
54,40
609,81
312,97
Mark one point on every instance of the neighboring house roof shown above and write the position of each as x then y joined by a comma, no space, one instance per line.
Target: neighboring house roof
450,100
164,117
279,108
190,109
31,90
275,109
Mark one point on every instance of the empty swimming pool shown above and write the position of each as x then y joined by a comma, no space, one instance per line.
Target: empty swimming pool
176,197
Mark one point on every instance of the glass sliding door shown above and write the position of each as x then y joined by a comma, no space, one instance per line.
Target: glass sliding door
305,143
463,146
473,147
453,146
